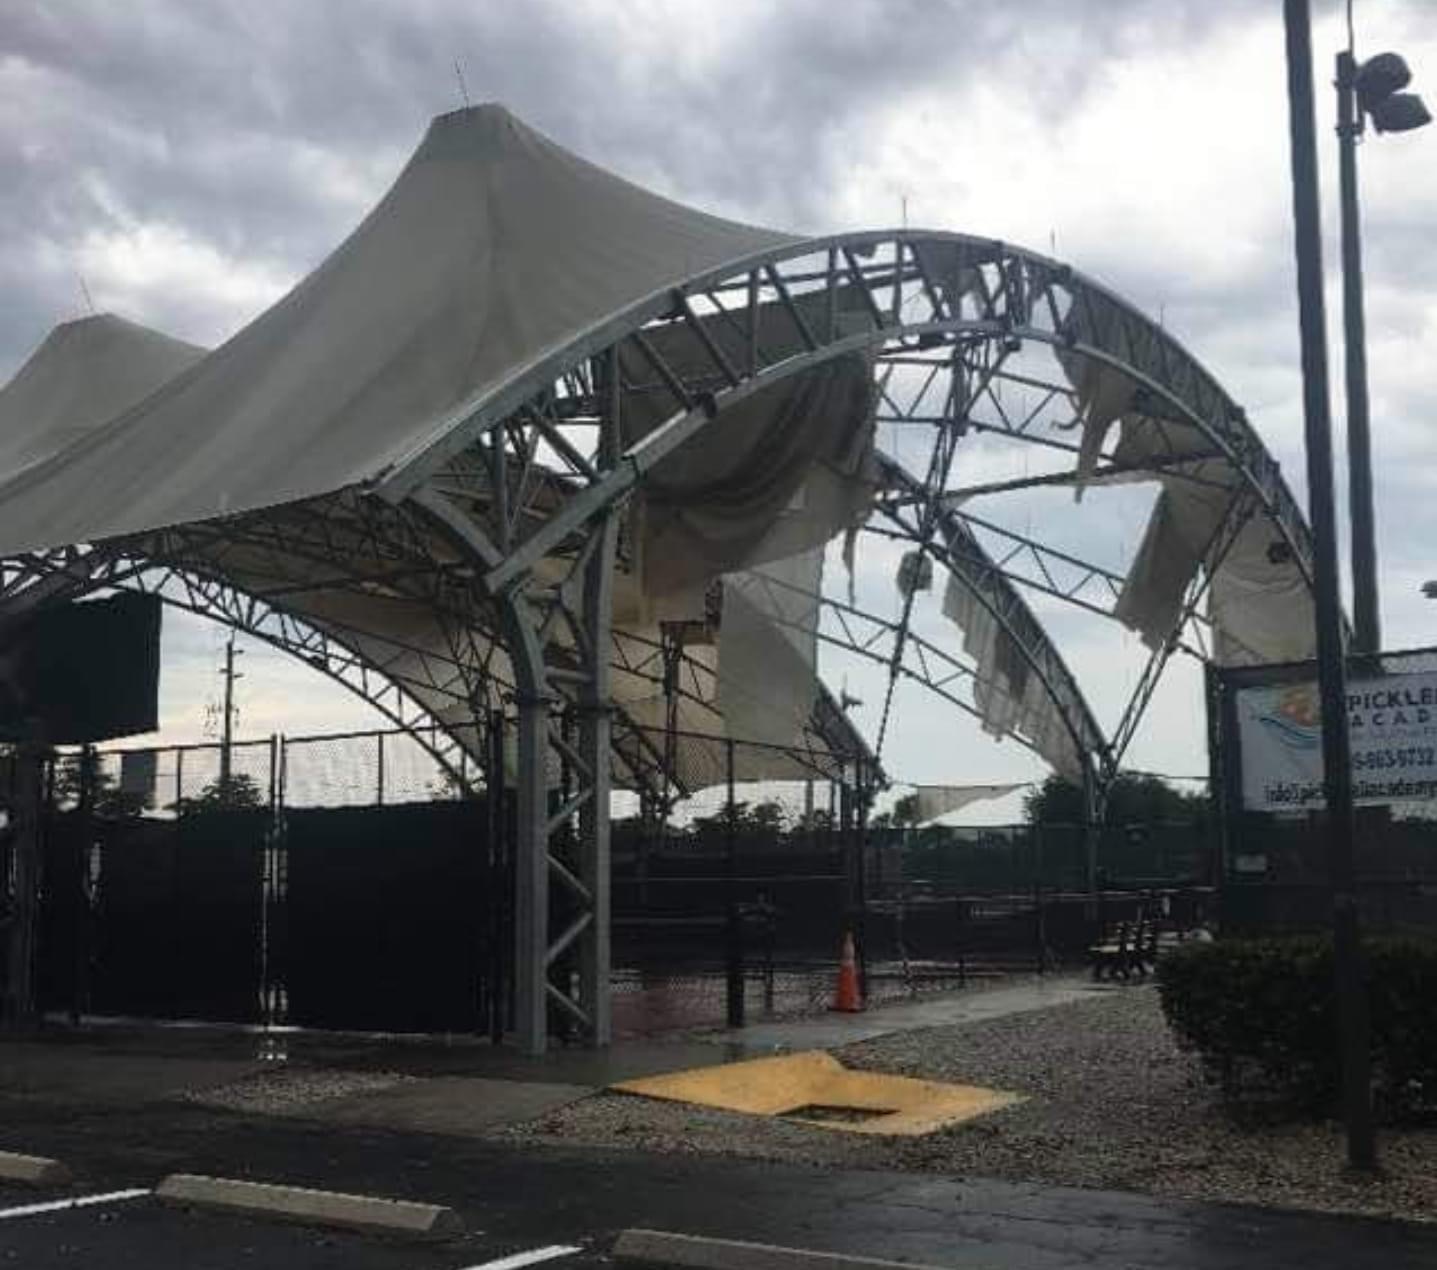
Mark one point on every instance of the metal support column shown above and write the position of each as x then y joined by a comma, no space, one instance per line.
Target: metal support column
596,623
594,741
531,835
1092,828
733,934
863,786
497,995
531,877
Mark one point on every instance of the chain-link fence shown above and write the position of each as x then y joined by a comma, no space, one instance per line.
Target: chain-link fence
333,859
352,769
734,901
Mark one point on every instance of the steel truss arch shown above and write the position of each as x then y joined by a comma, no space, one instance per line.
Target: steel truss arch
530,477
504,528
987,290
965,559
921,292
186,577
72,576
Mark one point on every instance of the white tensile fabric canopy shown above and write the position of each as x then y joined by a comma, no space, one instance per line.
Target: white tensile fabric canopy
87,371
493,249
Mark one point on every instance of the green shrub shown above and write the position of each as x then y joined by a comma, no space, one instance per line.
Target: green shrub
1262,1012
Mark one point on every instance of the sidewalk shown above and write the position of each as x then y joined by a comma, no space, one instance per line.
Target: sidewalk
460,1086
830,1031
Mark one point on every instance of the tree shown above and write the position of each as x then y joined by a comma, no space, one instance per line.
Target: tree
763,821
1133,798
238,792
822,820
903,813
71,774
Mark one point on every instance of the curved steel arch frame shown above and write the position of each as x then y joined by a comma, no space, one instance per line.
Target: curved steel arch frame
535,472
404,695
75,577
967,303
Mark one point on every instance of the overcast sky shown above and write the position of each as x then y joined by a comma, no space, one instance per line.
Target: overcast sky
190,160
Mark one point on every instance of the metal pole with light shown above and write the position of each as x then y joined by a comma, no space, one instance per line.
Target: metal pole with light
1356,1060
1369,89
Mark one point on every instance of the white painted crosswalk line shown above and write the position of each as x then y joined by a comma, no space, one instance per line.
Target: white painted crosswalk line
79,1201
530,1258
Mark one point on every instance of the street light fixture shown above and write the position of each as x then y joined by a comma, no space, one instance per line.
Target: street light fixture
1378,82
1369,89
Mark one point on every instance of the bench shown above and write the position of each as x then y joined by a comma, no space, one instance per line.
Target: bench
1131,948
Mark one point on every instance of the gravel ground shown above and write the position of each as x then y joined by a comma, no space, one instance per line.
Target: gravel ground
293,1090
1111,1103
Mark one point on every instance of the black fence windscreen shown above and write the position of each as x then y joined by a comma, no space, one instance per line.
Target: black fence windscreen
347,883
385,917
175,917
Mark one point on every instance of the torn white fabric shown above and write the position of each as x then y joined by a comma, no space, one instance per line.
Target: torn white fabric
1257,600
941,800
775,474
850,554
1176,544
1105,393
1260,603
768,651
1010,698
952,270
915,573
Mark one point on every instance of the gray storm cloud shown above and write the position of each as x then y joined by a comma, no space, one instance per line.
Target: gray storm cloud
192,159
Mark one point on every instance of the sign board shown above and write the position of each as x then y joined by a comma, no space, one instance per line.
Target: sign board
1393,725
81,672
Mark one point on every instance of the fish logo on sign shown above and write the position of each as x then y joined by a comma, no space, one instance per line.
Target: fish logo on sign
1296,720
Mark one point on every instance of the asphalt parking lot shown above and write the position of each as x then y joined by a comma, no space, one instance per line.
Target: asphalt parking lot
67,1227
517,1201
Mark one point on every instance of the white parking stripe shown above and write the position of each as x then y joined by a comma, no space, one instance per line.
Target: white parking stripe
532,1258
80,1201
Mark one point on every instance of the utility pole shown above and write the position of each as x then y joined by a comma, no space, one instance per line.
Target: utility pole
227,726
1353,1026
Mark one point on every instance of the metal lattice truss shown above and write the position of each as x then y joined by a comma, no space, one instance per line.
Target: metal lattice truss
482,570
433,690
532,478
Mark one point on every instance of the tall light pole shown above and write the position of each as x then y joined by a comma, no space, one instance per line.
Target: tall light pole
1353,1027
1367,89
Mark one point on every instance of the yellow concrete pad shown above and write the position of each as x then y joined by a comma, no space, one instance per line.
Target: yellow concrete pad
815,1088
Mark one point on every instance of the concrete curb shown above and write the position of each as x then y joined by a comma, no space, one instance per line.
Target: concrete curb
399,1219
32,1170
694,1252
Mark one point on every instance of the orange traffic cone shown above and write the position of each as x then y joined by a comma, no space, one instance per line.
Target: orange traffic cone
848,998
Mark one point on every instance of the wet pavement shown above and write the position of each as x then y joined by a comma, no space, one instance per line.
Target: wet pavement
116,1104
523,1198
830,1030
